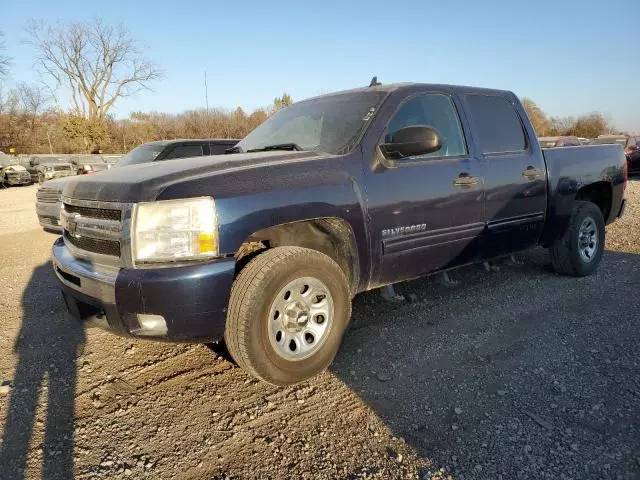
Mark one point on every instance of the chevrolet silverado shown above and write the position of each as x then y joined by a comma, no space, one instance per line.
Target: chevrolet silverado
329,197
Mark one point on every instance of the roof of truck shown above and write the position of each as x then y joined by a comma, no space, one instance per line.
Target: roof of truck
391,87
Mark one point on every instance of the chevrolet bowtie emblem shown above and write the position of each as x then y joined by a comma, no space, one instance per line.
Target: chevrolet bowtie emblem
72,225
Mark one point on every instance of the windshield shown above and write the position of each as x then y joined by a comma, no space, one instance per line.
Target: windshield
141,154
330,124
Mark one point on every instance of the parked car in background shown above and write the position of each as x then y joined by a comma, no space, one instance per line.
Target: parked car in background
610,140
168,149
631,145
43,168
111,159
330,197
632,152
86,164
11,175
48,197
561,141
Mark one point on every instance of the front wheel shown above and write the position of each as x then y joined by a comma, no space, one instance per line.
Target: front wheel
288,310
579,251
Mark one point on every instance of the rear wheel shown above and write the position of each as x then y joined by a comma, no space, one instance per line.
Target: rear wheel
288,311
579,251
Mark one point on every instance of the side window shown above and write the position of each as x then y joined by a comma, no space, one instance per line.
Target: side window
433,110
498,124
219,148
182,151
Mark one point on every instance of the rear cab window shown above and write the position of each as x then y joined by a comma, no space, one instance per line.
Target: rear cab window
219,148
497,124
182,151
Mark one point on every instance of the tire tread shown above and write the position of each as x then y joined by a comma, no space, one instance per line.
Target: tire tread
246,288
564,250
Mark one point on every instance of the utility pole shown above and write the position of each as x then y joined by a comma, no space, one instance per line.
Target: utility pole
206,92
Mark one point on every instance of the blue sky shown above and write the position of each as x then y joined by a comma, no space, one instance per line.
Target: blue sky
570,57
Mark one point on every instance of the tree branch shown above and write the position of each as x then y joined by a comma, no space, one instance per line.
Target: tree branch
96,63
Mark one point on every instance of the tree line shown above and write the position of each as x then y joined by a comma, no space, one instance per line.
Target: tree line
95,65
29,125
588,126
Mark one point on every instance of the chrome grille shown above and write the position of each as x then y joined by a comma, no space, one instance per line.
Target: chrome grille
99,213
95,230
94,245
48,195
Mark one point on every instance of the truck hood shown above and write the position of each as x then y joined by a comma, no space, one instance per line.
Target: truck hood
139,183
57,183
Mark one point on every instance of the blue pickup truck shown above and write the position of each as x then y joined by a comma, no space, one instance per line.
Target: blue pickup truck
330,197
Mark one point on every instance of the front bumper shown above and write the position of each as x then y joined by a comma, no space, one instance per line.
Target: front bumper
49,215
192,299
18,180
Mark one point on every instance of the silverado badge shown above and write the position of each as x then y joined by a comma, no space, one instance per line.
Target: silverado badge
404,230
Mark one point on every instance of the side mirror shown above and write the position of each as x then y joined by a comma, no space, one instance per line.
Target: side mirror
412,141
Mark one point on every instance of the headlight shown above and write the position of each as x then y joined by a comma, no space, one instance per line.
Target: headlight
174,230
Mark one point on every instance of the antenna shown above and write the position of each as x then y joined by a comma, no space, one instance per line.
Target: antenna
374,82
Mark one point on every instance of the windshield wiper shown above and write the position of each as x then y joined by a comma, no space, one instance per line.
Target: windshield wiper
278,146
235,149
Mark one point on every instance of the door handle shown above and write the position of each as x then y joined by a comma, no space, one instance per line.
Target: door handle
466,180
531,173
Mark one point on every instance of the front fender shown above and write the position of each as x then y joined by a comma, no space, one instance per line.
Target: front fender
254,199
241,217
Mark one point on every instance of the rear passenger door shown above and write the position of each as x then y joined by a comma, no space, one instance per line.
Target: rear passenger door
515,174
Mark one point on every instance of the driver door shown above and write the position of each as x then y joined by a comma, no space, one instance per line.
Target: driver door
426,211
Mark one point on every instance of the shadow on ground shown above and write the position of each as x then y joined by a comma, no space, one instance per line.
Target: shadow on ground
516,373
46,348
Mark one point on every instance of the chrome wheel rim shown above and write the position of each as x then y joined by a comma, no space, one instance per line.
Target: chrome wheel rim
588,240
300,318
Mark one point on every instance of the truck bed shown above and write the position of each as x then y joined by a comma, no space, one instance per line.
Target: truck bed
570,168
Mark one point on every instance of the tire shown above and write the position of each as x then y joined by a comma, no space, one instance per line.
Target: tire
40,179
568,254
262,320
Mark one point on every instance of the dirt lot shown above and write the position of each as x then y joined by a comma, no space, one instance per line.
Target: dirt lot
517,373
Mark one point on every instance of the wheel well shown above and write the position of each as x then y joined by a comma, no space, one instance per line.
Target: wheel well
331,236
598,193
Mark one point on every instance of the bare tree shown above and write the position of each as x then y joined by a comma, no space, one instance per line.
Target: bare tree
32,99
5,62
97,63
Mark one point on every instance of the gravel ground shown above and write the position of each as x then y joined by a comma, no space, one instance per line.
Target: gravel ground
516,373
